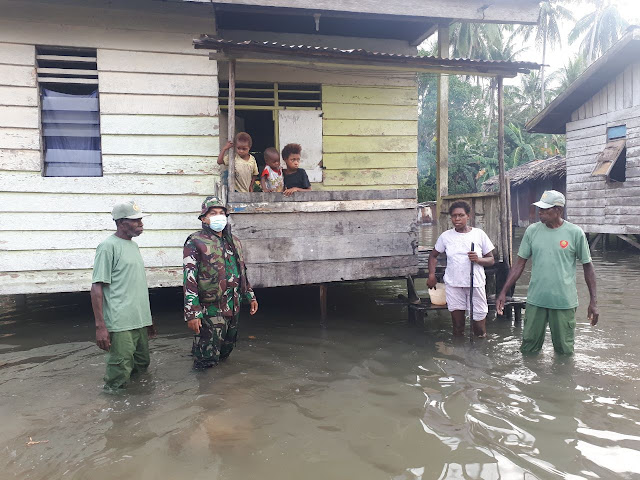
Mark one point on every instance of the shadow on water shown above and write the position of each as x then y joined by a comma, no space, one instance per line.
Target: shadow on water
362,396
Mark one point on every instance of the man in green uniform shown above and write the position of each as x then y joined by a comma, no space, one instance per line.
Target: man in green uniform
215,283
554,246
120,299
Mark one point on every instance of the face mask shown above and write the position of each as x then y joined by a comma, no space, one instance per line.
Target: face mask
217,222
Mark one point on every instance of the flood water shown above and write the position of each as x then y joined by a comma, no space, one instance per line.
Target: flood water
364,396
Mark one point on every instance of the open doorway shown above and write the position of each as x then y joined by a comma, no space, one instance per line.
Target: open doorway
260,125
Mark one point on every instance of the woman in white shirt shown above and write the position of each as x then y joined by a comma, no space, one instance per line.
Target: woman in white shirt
456,243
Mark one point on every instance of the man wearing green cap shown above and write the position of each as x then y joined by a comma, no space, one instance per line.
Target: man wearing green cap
120,299
215,283
554,246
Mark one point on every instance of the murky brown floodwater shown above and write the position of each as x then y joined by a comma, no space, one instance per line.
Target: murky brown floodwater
363,397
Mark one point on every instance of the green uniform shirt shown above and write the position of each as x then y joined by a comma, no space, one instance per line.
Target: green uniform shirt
118,264
554,252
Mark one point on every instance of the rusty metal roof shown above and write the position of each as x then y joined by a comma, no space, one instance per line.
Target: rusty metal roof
376,58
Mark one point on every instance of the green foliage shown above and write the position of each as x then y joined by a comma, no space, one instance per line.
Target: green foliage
598,29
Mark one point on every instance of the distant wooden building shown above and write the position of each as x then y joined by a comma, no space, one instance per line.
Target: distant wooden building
138,112
600,114
527,183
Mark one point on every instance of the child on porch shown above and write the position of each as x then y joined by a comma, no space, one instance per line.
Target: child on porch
295,178
271,179
246,168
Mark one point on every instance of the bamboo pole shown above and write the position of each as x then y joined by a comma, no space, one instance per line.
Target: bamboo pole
442,126
231,127
504,216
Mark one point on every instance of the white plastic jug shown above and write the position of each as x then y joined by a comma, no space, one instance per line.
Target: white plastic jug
438,295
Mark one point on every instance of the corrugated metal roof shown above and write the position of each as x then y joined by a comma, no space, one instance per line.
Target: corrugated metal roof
210,42
554,118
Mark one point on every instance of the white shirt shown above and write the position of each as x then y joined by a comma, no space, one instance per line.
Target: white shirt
457,246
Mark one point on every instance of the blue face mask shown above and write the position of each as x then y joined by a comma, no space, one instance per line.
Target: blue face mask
217,222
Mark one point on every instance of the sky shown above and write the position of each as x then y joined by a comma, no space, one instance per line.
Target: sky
558,56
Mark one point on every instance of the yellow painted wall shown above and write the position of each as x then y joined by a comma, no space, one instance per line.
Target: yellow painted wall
369,137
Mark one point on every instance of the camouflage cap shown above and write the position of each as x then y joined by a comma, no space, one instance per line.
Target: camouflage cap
211,202
129,210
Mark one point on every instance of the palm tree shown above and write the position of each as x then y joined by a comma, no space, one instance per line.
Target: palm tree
523,150
472,40
599,29
570,72
501,50
547,32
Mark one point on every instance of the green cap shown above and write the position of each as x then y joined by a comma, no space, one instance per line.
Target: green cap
550,198
128,210
210,202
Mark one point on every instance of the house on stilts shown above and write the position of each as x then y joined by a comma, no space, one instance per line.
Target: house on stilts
132,99
600,115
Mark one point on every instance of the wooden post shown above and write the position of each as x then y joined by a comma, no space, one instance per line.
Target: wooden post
231,130
442,125
323,301
504,219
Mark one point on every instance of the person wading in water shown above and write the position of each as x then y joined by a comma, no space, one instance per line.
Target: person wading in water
456,243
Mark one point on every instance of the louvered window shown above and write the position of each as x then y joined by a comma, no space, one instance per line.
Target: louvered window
68,81
273,96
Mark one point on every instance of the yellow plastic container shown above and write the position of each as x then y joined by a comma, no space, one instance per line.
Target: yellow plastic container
438,295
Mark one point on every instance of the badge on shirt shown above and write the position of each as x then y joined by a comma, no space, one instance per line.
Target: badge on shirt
564,244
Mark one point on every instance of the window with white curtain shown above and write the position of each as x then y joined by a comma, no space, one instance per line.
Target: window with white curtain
70,113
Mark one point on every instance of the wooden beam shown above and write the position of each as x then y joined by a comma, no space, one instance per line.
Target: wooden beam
629,240
426,34
500,11
231,126
442,124
504,217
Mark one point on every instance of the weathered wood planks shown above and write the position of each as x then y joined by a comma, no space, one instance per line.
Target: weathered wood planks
304,273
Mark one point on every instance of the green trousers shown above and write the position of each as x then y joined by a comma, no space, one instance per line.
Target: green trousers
217,338
129,353
562,324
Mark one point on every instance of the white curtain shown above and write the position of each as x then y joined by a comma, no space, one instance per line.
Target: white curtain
71,131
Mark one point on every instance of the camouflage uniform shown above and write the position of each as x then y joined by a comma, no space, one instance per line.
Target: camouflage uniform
215,283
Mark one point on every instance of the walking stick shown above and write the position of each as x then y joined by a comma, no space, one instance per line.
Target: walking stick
471,302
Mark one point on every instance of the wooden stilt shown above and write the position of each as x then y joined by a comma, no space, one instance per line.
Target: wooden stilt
595,241
504,218
411,291
323,301
21,301
629,240
518,312
231,130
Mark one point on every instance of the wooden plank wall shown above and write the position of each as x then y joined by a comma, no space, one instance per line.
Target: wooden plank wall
159,127
370,137
592,203
316,239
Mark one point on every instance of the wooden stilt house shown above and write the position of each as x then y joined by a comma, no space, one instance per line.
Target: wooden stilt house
600,115
118,104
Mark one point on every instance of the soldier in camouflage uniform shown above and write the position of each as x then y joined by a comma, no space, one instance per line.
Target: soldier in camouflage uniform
215,283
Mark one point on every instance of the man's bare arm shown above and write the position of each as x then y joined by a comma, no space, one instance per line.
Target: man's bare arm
512,278
102,335
590,278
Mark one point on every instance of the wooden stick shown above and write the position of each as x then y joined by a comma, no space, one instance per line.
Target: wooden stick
471,301
231,127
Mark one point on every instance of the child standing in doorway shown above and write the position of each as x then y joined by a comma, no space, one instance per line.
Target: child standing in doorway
295,178
246,168
271,179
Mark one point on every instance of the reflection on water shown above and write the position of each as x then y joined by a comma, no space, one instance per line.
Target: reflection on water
363,396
